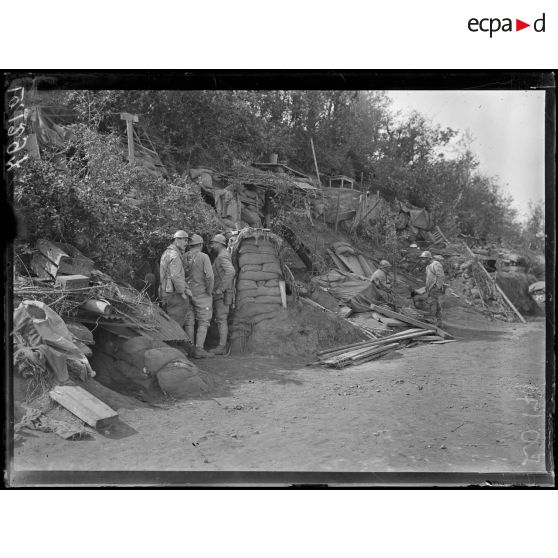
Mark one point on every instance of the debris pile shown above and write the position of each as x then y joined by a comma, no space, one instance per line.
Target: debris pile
359,353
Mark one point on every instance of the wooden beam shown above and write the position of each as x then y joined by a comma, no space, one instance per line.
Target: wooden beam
84,405
511,305
408,320
506,299
130,119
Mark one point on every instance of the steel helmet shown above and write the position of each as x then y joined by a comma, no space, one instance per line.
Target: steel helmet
195,240
425,254
180,234
220,238
384,263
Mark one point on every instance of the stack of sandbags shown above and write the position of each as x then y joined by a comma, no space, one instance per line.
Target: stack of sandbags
258,296
145,366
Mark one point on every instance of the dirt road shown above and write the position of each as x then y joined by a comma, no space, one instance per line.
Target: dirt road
475,405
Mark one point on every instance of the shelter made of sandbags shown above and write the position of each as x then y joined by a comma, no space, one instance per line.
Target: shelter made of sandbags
256,254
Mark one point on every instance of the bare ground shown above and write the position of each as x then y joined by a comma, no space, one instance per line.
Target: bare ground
475,405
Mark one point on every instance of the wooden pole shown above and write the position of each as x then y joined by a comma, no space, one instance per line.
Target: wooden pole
409,320
506,299
130,119
522,319
315,162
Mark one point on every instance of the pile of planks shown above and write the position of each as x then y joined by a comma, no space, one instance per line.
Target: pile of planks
358,353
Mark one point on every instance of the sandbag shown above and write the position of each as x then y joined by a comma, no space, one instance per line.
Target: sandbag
250,217
273,267
260,317
254,249
181,380
260,291
155,359
252,267
245,284
260,241
256,258
133,349
136,376
254,308
259,276
272,283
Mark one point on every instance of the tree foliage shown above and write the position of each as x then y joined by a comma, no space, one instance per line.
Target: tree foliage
118,215
354,133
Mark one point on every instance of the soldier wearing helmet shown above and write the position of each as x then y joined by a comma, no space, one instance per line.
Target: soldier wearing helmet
200,273
381,280
434,283
223,271
173,289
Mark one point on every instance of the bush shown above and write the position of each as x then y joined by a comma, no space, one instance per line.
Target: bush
120,216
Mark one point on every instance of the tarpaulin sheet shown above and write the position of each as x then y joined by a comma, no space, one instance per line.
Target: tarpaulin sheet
43,328
348,289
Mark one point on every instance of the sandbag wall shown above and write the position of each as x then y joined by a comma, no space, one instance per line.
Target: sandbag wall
258,296
145,367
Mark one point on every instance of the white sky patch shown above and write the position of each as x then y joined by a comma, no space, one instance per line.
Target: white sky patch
507,128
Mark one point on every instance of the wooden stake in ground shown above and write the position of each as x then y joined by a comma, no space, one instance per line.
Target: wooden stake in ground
130,119
318,175
500,291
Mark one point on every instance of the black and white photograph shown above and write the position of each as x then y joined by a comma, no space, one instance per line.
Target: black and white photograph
279,278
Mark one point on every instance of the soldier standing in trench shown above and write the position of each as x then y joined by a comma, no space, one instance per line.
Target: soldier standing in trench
173,289
200,273
223,271
434,283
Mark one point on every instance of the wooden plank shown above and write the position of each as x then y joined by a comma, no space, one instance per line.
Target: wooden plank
408,334
327,310
365,266
337,261
84,405
65,259
283,291
408,320
72,281
510,303
506,299
43,267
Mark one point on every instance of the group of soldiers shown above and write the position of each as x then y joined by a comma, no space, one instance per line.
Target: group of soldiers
192,290
430,299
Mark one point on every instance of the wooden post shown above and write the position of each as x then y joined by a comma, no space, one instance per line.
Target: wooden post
130,119
506,299
337,212
315,162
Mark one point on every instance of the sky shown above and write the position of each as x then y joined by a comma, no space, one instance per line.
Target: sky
507,128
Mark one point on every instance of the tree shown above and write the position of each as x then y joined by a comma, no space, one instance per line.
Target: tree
533,230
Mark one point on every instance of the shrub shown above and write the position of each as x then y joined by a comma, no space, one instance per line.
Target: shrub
120,216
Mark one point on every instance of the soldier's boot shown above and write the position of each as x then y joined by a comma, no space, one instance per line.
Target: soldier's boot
221,349
199,351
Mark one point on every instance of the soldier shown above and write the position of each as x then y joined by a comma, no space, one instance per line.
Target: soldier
223,271
381,281
200,273
434,283
173,290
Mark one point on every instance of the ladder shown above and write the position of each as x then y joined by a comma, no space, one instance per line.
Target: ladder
439,236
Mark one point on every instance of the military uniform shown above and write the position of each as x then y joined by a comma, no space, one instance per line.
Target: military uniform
200,280
223,271
435,277
173,284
